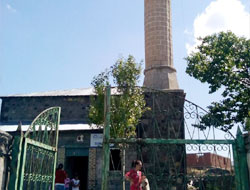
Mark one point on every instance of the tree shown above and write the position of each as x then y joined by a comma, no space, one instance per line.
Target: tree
223,61
247,124
127,105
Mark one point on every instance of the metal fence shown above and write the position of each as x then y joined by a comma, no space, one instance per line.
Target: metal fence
176,151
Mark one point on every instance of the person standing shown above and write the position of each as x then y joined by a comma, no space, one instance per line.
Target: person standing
75,183
60,177
135,175
67,183
145,183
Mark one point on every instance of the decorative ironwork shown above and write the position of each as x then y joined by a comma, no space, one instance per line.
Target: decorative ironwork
39,168
195,130
44,127
176,150
36,153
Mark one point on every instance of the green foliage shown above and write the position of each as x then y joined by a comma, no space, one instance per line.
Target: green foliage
247,123
223,61
127,105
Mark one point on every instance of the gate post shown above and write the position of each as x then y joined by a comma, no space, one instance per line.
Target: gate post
240,145
22,164
15,164
56,145
236,166
247,148
106,137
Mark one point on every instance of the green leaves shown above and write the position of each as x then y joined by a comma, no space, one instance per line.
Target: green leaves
223,61
127,106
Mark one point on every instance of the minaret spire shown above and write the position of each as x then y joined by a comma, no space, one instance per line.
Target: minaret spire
159,71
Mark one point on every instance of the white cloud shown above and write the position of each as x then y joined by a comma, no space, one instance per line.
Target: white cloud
10,8
221,15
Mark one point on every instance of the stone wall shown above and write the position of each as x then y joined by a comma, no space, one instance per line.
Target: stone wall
5,141
25,109
92,169
164,120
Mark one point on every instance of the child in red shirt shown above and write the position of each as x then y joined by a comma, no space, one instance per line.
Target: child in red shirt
135,175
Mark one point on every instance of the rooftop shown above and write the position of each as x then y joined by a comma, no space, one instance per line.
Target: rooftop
71,92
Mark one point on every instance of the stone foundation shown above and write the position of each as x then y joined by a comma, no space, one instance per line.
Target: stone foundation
164,120
5,141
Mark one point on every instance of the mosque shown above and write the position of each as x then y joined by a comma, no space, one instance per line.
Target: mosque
79,146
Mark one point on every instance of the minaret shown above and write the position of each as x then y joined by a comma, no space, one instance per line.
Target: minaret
159,71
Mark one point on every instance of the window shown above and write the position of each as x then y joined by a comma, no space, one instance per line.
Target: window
115,159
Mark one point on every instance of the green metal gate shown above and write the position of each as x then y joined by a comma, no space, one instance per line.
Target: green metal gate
178,158
34,153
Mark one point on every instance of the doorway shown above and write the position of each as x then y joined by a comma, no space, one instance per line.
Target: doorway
79,165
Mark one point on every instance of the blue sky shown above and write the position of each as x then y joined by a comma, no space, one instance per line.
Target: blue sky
62,44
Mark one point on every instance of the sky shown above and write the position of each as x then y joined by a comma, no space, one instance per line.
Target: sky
62,44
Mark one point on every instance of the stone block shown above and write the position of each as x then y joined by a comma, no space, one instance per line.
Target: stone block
5,141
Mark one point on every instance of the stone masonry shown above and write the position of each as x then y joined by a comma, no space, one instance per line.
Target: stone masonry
92,169
164,120
159,71
61,155
5,140
25,109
